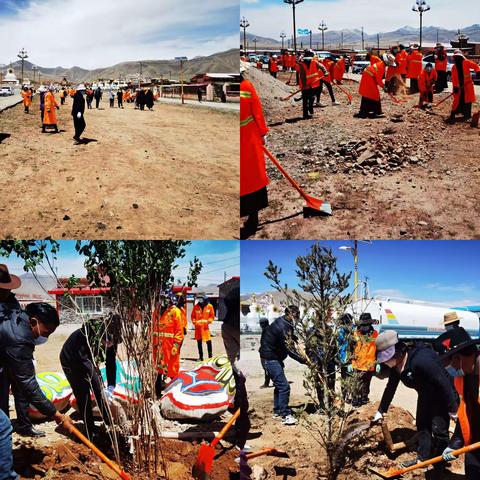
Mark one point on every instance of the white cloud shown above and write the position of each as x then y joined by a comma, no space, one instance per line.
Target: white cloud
91,35
374,15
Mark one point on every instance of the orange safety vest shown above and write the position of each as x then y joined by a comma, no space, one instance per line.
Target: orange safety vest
272,65
364,354
467,82
414,64
309,75
401,59
441,65
372,78
374,59
253,174
330,66
462,412
426,81
50,112
27,98
167,333
339,70
202,318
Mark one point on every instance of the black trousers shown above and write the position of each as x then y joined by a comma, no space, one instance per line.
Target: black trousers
441,84
79,124
120,103
367,105
97,102
472,465
329,88
21,403
413,85
112,102
26,109
62,101
242,424
200,348
432,425
365,378
83,382
89,103
307,102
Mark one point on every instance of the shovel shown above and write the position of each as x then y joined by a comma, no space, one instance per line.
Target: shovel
444,100
349,96
393,473
266,451
314,205
202,468
116,468
290,96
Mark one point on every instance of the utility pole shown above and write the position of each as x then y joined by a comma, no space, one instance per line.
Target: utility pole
255,43
22,55
39,77
310,39
322,27
282,36
437,35
34,68
181,59
293,3
244,24
421,7
140,76
378,43
342,40
363,40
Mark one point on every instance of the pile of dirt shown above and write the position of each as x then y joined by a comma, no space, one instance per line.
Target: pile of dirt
67,459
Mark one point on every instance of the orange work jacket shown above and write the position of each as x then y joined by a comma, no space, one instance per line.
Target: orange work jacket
202,318
414,64
364,354
27,98
372,78
468,84
50,111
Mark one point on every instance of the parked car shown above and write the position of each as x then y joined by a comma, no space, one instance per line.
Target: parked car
360,63
6,91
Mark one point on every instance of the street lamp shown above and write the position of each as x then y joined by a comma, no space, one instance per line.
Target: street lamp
255,43
282,36
421,7
310,39
354,251
182,60
244,24
22,55
293,3
322,27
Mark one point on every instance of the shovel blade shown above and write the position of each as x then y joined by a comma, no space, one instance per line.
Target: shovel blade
383,474
203,466
317,207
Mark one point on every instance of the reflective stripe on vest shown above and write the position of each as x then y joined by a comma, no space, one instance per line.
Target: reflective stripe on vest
244,94
163,334
245,122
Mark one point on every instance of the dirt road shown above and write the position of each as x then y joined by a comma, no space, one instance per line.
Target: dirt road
169,173
421,180
301,442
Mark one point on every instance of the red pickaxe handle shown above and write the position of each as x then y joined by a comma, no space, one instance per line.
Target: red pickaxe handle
444,100
290,96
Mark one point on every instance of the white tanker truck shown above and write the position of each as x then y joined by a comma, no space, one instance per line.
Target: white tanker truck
412,319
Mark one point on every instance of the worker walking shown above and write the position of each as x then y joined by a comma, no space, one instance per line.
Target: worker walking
50,108
462,361
82,353
167,340
27,98
78,111
414,67
426,85
120,98
273,65
327,79
253,173
364,358
203,314
372,79
275,347
90,96
98,96
463,86
419,367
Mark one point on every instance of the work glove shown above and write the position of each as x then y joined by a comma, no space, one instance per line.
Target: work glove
377,417
378,368
447,455
350,368
58,108
453,416
79,115
174,351
456,89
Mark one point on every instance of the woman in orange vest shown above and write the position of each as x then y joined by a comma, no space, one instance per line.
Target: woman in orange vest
426,84
327,80
167,340
203,314
364,357
461,356
463,86
49,113
27,98
253,173
414,67
273,66
441,63
372,78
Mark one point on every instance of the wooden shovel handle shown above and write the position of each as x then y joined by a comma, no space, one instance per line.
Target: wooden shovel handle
265,451
225,429
95,450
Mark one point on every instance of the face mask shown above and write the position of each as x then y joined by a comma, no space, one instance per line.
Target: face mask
454,372
40,340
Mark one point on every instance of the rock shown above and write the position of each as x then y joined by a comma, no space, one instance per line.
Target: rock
259,473
135,205
422,223
403,232
365,156
413,159
66,217
101,226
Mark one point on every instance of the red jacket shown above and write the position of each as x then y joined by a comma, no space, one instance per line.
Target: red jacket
372,78
468,84
414,64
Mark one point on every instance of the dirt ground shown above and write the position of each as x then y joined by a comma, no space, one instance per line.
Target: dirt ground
306,459
169,173
430,194
58,457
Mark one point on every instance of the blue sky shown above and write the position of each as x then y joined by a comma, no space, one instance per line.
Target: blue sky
218,257
438,271
269,17
91,35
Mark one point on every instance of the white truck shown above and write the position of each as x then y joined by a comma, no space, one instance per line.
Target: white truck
412,319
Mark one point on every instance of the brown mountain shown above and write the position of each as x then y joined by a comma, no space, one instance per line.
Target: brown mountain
223,62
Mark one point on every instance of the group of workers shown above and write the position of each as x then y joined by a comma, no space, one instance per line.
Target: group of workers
96,342
445,375
82,95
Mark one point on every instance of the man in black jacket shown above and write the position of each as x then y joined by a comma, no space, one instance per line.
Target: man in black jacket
78,110
276,345
419,368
